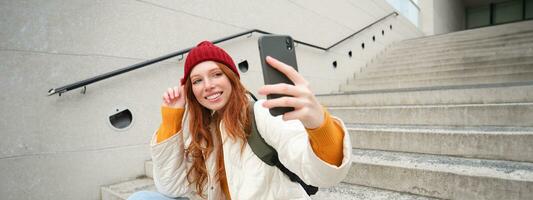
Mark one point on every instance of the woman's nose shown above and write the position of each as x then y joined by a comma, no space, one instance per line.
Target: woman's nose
208,84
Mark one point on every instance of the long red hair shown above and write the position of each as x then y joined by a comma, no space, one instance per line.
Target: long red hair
236,121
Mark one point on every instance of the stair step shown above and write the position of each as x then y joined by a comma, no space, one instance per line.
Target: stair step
449,53
474,43
488,32
442,176
342,190
149,169
372,70
463,94
464,80
485,71
346,191
482,35
499,114
422,71
440,60
448,50
123,190
501,143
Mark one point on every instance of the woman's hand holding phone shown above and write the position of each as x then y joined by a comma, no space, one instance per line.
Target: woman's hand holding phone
174,97
307,109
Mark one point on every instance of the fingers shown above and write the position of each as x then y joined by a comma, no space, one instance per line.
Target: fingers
171,94
309,118
289,71
284,102
165,99
166,96
182,92
177,92
281,88
293,115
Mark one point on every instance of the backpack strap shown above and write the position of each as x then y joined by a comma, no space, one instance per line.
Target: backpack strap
260,148
269,155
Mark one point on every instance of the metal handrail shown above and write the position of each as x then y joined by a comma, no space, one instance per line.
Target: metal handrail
88,81
415,4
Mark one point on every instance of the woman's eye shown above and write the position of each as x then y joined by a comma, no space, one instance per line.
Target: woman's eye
195,82
218,74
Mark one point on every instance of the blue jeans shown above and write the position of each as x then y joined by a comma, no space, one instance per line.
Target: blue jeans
148,195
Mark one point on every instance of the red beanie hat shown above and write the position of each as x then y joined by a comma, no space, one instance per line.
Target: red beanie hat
205,51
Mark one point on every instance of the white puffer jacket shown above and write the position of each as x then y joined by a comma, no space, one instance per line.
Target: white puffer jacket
248,177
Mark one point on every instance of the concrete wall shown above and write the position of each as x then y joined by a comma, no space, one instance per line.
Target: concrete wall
440,17
449,16
426,21
64,148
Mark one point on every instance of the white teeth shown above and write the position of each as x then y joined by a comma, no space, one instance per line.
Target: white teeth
214,96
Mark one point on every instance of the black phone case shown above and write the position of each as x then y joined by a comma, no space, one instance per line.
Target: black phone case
280,47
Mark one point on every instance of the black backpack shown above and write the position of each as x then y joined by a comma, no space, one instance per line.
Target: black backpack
269,155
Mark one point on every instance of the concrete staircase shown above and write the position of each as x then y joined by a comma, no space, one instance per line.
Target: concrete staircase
447,116
123,190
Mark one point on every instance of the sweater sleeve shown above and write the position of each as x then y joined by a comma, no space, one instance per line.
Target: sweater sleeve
295,150
327,140
171,122
170,165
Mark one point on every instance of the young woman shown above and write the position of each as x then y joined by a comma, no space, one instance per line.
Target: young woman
200,150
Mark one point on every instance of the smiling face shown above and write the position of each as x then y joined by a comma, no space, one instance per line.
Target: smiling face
210,85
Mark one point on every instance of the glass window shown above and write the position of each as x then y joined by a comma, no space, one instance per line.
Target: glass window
499,13
529,9
508,11
478,17
407,8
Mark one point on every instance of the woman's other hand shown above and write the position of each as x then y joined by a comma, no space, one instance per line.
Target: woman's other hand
306,106
174,97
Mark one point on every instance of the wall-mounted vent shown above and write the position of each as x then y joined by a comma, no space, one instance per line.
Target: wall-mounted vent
243,66
121,119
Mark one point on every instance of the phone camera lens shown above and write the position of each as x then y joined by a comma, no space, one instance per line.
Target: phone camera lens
288,43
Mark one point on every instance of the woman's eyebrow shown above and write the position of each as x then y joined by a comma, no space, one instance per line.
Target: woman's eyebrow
195,75
215,69
209,71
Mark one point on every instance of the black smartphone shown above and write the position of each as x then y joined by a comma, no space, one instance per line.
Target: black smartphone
280,47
